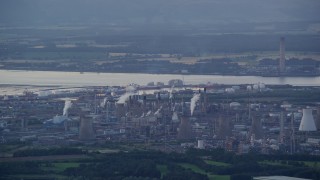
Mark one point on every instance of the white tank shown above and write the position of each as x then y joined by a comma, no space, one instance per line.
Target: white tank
200,144
262,86
307,121
175,117
229,90
234,105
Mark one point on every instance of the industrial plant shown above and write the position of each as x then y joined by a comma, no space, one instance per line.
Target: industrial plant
175,117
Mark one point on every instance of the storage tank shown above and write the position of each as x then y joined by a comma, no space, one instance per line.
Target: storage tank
175,118
235,105
200,144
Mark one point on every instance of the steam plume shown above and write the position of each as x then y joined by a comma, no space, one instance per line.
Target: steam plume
124,98
194,100
148,114
67,106
158,111
103,103
171,91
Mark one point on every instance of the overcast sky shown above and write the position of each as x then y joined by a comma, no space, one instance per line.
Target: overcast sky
156,11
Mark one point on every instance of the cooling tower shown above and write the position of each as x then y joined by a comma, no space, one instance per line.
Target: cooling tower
185,130
256,128
86,130
223,127
318,119
307,121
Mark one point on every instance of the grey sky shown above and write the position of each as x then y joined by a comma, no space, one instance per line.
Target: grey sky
156,11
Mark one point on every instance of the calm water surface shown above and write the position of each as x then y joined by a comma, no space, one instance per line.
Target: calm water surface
69,79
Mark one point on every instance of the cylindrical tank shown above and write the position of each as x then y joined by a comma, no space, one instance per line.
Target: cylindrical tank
200,144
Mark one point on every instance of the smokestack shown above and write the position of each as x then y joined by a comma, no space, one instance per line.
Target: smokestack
144,102
281,134
24,124
282,65
204,109
158,96
307,121
256,127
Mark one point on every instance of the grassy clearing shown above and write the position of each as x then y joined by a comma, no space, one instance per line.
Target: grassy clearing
274,163
219,177
312,164
35,177
163,169
196,169
192,168
63,55
216,163
60,167
7,150
278,163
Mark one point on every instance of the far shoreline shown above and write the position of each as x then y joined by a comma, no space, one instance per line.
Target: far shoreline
158,73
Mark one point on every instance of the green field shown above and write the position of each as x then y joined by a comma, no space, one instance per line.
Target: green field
273,163
154,164
35,177
312,164
163,169
196,169
62,55
60,167
216,163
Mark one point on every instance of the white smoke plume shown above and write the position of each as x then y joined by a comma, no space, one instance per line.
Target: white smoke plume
130,89
124,98
103,103
158,111
171,91
148,114
194,100
67,106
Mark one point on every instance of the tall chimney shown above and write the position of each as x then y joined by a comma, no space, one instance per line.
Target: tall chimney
282,65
